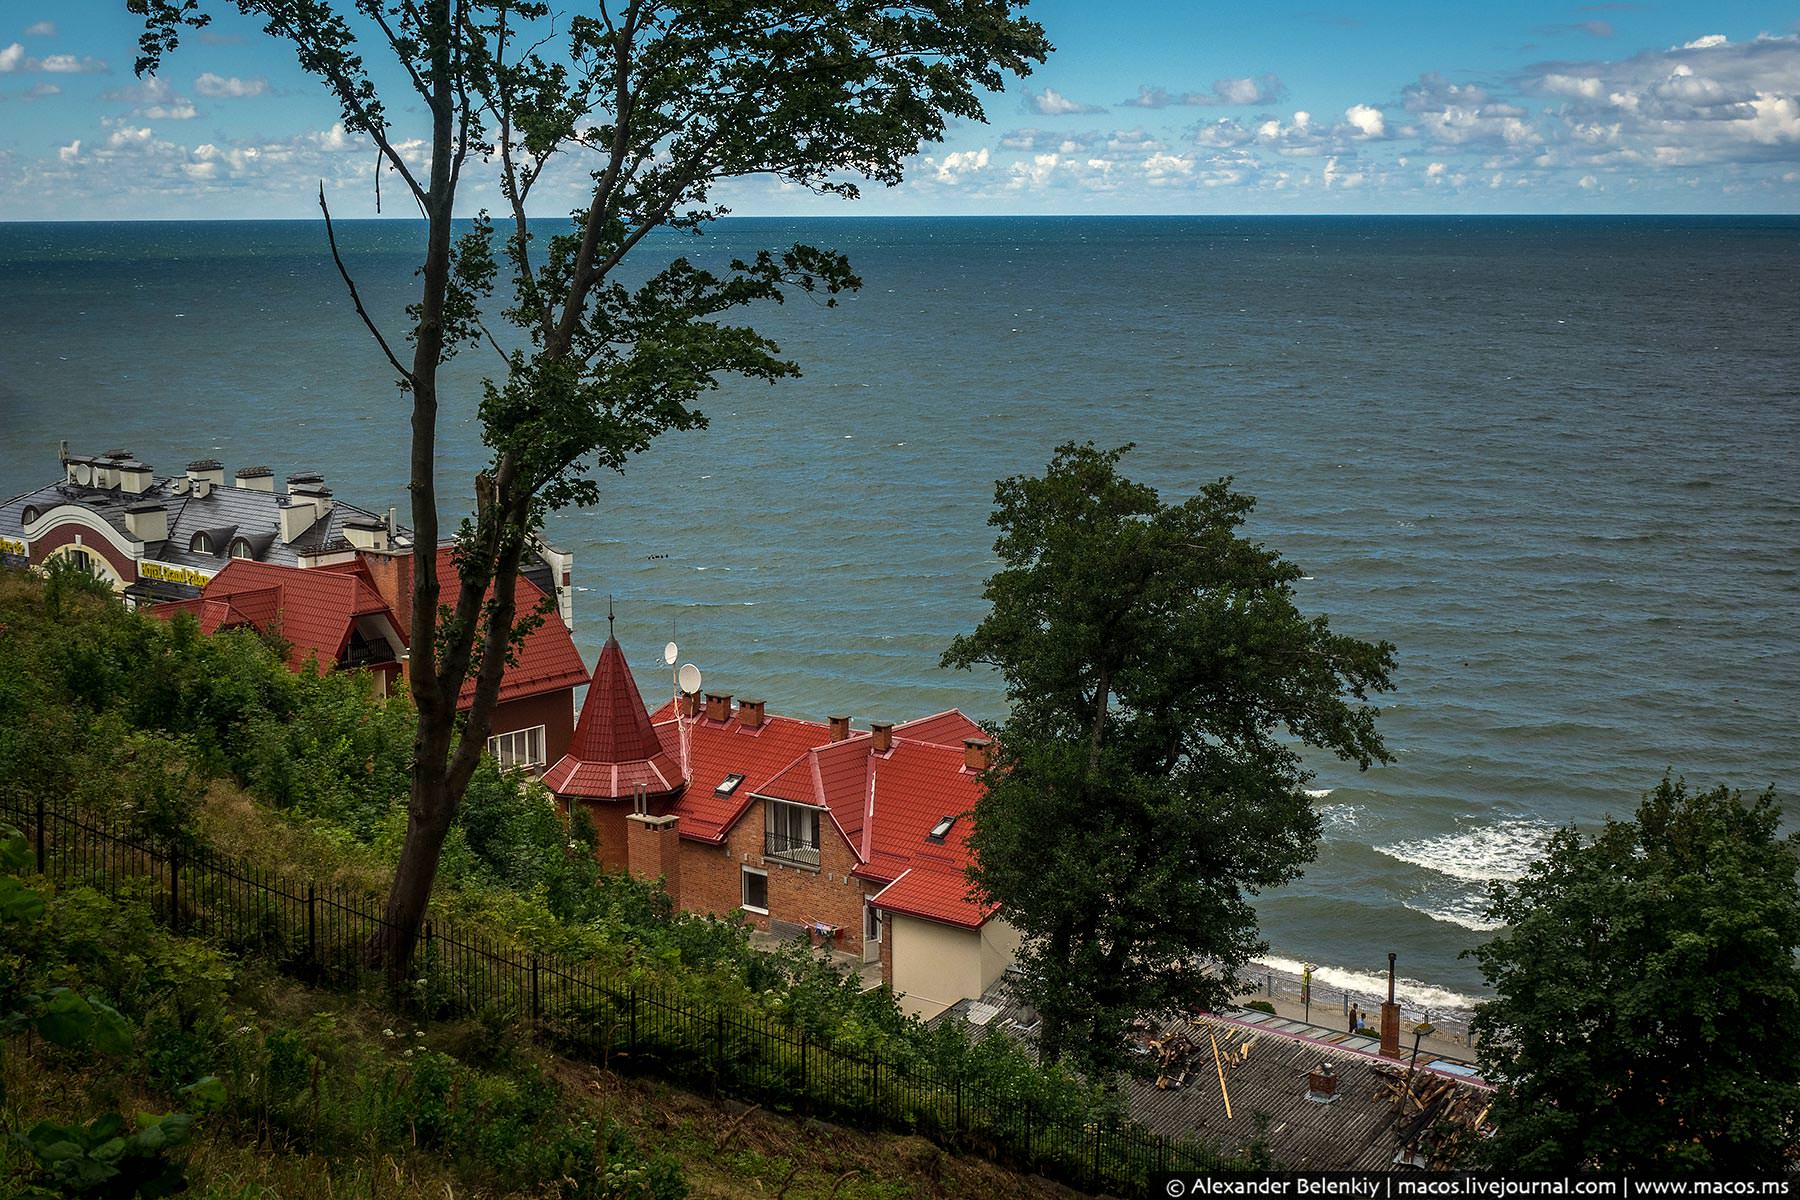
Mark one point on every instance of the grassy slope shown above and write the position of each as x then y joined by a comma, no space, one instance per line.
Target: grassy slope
725,1149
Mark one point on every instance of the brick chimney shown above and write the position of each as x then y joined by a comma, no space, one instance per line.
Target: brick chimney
653,850
840,728
977,753
881,736
391,571
211,470
718,706
750,714
135,479
1390,1018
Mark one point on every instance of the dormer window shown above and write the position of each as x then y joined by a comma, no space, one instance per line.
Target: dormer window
240,548
728,785
29,515
941,830
200,544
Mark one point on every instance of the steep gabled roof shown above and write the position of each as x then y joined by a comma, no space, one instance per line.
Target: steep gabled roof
615,749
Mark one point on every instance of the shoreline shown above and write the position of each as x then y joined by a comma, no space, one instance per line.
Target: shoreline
1335,989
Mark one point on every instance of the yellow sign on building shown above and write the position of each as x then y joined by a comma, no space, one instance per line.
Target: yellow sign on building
168,573
8,546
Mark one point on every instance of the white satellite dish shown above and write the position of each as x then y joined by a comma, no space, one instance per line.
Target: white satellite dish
669,653
689,678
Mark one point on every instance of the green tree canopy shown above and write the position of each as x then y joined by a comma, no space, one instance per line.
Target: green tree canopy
1647,1010
1147,780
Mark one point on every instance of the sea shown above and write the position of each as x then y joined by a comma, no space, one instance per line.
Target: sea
1553,460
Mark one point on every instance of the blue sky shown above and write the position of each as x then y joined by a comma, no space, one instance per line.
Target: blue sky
1147,106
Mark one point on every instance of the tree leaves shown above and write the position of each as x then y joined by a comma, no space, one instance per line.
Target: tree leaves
1159,677
1647,1010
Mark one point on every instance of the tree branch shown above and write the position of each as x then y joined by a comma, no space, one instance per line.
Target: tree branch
355,296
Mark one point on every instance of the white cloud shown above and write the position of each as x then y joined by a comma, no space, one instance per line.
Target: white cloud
1240,92
1367,120
1052,103
179,110
69,152
1706,42
960,164
222,88
66,64
13,58
41,29
1588,183
1434,170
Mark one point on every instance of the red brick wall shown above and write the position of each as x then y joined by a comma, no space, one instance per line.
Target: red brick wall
712,880
94,543
654,850
887,952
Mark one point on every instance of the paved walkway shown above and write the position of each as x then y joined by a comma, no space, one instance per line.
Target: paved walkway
1446,1045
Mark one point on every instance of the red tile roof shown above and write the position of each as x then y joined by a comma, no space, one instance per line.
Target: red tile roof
947,728
615,749
546,661
313,611
715,750
935,894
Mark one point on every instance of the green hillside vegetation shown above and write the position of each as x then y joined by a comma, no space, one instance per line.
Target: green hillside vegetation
212,742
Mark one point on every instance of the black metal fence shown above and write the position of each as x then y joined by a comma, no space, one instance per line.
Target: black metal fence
321,933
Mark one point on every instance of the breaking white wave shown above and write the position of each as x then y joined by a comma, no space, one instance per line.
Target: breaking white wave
1478,855
1466,910
1318,793
1340,818
1413,992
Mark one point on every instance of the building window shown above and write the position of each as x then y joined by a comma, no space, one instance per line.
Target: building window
756,891
728,785
791,833
200,544
522,748
941,830
241,549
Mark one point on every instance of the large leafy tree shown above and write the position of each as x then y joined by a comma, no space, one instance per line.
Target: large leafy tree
1148,780
1647,1010
653,104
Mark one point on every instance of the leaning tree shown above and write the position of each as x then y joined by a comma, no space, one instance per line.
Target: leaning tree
651,105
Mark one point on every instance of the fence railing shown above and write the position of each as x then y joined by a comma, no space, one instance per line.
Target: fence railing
321,934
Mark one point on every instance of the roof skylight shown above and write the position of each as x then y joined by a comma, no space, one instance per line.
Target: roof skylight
941,830
728,785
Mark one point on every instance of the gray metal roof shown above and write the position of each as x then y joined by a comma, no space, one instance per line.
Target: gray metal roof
225,512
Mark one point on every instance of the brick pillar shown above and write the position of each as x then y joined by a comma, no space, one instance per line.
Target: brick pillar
653,850
887,949
1390,1019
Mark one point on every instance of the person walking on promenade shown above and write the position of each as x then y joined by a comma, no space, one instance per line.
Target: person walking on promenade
1355,1019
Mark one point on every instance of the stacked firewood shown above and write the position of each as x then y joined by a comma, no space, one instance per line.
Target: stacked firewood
1438,1118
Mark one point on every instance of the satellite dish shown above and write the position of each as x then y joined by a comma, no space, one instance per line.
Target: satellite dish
689,678
669,653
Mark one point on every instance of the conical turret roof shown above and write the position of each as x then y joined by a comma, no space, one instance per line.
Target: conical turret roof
615,748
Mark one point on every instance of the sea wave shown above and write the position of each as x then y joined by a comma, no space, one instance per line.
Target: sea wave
1414,992
1318,793
1468,911
1504,850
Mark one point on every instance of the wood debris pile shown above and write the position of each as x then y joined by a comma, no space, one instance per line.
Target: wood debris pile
1437,1119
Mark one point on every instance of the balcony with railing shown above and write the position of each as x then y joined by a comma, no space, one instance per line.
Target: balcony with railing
797,851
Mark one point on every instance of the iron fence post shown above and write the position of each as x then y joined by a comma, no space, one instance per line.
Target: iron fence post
175,888
537,1008
40,835
312,924
805,1090
631,1035
959,1109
